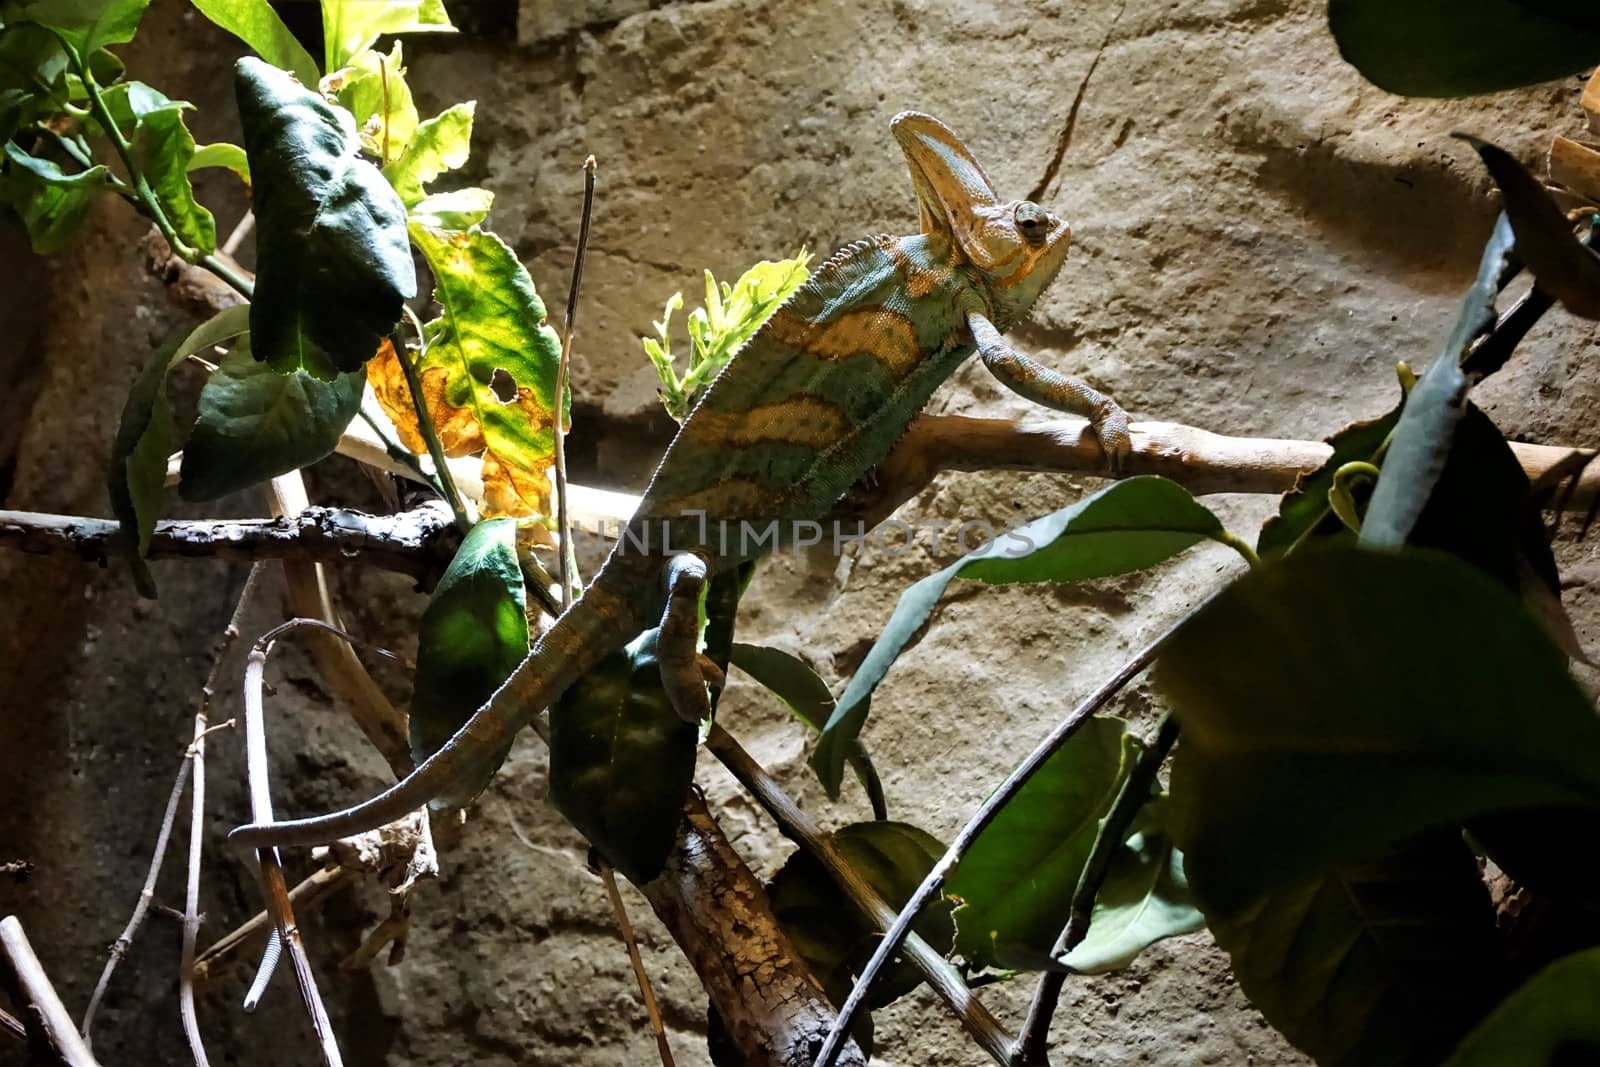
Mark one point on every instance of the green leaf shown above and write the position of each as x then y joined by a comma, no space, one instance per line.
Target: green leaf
87,25
33,76
257,25
1549,1022
1127,526
1421,442
50,212
221,154
828,932
440,144
162,150
1303,512
352,26
373,89
1144,899
255,424
1464,47
333,262
1338,702
1563,265
459,210
473,634
1384,964
1015,884
146,436
621,760
808,698
490,341
49,173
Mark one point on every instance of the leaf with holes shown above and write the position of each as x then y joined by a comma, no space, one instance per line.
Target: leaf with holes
255,424
350,27
1382,964
1465,47
1127,526
256,24
1015,884
473,634
621,760
489,374
146,436
333,262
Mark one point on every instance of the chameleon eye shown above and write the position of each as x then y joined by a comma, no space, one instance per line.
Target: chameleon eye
1033,221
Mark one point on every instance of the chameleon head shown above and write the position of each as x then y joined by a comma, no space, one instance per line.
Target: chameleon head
1017,247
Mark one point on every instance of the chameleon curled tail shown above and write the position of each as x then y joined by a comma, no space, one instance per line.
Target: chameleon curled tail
591,629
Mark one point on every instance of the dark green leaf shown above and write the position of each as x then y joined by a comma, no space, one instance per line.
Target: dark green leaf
808,698
1380,965
473,634
440,144
255,424
1015,884
87,25
1127,526
1549,1022
333,259
1422,439
1464,47
257,25
49,173
50,213
221,154
1303,513
33,76
621,760
1338,702
162,150
825,927
146,437
352,26
1144,899
1563,265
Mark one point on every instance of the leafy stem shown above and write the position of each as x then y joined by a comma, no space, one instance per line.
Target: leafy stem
1239,545
447,482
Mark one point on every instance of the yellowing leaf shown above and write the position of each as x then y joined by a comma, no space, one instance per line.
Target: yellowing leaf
489,372
373,89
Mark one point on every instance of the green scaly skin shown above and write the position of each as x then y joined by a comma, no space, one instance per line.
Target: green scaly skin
810,405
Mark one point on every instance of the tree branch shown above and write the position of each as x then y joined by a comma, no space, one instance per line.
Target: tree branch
51,1035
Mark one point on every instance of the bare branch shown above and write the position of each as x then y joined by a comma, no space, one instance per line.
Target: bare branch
306,897
620,910
48,1026
418,543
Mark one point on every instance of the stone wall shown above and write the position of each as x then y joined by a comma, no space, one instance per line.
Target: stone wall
1259,236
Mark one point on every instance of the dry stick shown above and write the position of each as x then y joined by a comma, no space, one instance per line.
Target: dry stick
564,575
796,825
50,1030
934,882
240,232
12,1025
271,872
306,897
1033,1050
197,754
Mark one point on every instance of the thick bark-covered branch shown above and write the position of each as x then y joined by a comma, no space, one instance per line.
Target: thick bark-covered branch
419,543
718,913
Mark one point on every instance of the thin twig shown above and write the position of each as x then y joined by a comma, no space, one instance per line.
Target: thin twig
12,1025
419,404
306,897
49,1027
563,374
934,882
796,825
270,870
246,224
609,877
1033,1050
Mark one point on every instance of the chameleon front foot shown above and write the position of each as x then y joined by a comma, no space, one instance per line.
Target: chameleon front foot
1110,425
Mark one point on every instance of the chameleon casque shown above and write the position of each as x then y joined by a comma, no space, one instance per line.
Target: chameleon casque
810,405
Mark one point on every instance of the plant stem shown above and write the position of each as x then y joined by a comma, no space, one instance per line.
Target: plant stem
425,426
620,910
215,265
1239,545
1032,1050
991,807
796,825
563,373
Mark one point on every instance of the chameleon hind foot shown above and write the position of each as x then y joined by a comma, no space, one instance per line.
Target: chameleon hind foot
683,668
1110,425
